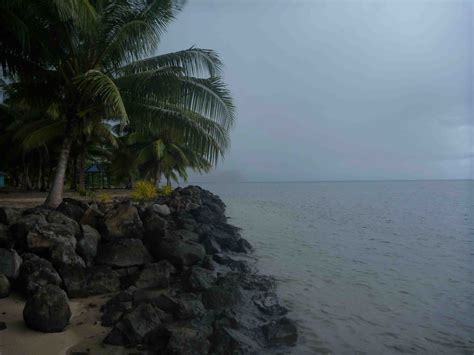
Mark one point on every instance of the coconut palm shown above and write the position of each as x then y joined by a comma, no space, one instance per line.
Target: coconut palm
88,60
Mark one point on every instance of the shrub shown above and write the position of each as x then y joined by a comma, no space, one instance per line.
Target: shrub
104,197
86,193
166,190
144,190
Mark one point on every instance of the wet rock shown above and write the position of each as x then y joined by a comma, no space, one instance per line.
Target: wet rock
10,263
189,306
186,340
282,331
268,304
65,255
155,275
123,253
9,215
96,280
4,286
72,208
222,296
135,326
200,279
180,252
162,210
243,246
36,272
231,341
47,310
232,263
123,221
205,215
87,244
211,246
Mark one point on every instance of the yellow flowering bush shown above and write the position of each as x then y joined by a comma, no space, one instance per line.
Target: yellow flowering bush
104,197
166,190
144,190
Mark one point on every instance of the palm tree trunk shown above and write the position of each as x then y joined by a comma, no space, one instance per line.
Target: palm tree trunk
158,176
40,170
55,195
82,164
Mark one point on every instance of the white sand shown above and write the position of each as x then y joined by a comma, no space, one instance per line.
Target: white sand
84,334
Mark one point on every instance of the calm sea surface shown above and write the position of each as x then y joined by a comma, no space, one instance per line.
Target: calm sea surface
366,267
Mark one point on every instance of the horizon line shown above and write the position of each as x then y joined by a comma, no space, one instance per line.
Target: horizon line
312,181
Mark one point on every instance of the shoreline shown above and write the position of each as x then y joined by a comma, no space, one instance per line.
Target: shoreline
188,269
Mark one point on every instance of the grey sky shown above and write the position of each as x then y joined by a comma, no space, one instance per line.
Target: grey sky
342,89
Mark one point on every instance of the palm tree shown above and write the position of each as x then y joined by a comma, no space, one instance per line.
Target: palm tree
162,153
89,60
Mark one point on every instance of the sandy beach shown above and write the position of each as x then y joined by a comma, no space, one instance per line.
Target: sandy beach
84,334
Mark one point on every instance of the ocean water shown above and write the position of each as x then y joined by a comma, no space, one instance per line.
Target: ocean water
366,267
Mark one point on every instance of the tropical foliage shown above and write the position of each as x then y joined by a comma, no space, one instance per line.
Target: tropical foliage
83,82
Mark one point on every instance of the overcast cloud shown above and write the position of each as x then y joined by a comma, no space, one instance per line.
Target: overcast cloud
342,89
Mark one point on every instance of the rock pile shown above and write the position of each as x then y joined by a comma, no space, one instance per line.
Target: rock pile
176,268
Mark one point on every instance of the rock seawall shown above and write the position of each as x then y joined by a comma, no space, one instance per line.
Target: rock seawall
175,269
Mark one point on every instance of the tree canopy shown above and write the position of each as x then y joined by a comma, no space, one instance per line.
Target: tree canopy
82,79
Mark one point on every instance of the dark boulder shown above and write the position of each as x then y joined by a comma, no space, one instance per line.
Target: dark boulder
96,280
41,239
155,275
185,234
189,306
64,254
135,326
4,286
209,243
95,218
205,215
36,272
180,252
10,263
9,215
185,220
6,241
231,263
26,223
123,253
282,331
186,340
223,295
268,304
162,210
57,218
47,310
200,279
72,208
231,341
123,221
114,309
87,244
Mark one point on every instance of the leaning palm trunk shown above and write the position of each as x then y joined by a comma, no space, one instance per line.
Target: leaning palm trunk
82,166
158,177
55,195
